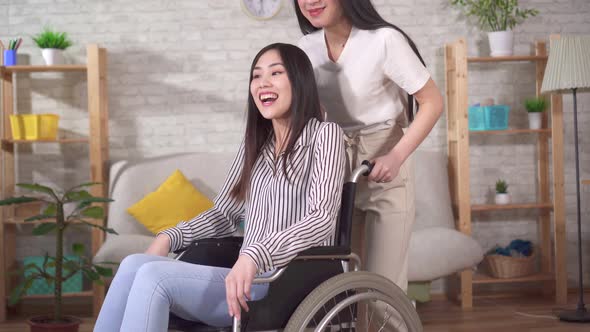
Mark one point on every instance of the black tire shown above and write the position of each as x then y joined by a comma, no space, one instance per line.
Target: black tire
354,282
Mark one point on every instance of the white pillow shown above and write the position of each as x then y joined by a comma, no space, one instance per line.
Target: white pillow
437,252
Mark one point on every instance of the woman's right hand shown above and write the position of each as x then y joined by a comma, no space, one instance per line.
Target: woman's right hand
160,246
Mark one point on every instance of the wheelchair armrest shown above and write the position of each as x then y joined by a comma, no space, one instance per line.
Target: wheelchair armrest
336,251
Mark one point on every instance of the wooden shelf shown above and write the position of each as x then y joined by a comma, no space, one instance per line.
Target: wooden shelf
95,74
59,141
49,296
497,207
480,278
508,58
549,201
586,182
43,69
510,131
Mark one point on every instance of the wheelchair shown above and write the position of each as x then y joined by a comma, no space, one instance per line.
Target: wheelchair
316,291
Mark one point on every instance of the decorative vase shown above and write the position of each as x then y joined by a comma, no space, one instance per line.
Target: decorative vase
45,324
52,56
535,119
502,199
501,43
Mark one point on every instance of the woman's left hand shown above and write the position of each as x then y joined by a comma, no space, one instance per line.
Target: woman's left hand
238,284
386,167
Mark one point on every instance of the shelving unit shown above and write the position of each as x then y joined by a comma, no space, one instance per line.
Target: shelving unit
97,141
551,243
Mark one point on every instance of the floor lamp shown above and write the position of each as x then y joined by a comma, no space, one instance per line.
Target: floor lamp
568,69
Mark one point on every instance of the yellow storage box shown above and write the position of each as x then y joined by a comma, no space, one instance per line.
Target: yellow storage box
34,126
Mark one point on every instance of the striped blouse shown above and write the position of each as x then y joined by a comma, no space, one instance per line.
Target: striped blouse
283,215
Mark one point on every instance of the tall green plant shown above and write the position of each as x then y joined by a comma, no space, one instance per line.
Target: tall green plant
53,219
52,39
495,15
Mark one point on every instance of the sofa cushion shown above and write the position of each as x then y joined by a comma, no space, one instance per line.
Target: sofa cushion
116,248
437,252
433,199
131,180
175,200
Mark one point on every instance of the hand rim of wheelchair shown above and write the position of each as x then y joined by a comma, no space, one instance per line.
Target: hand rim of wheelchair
381,289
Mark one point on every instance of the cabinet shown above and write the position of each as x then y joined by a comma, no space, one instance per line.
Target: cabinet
97,140
551,208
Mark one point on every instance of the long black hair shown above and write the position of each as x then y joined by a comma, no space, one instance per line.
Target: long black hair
363,15
305,105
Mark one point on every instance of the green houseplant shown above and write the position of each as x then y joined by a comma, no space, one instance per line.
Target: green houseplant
56,269
52,44
535,107
502,196
498,17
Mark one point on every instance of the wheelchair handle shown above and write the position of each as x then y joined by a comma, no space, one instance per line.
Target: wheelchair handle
364,169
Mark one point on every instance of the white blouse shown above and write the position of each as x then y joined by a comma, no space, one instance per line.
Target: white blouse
366,89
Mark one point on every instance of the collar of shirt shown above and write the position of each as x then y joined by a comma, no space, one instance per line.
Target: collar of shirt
303,140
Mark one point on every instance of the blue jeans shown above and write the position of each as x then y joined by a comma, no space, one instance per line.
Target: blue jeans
147,288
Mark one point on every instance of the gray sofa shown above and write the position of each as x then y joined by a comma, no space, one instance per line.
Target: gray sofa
436,249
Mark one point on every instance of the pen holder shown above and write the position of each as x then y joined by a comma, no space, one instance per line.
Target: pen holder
9,57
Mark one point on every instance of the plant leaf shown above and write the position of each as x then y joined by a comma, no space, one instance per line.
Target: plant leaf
96,212
51,209
104,229
18,200
97,200
74,196
40,217
103,271
91,274
44,228
78,249
37,187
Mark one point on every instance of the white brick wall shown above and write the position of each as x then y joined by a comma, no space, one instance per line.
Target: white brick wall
178,75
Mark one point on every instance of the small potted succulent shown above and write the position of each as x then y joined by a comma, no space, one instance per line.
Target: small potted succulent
502,196
535,108
52,45
56,269
498,17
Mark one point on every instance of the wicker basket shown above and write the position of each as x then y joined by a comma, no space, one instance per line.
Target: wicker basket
510,267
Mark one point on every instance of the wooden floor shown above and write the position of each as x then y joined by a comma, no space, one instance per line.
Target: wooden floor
499,315
489,315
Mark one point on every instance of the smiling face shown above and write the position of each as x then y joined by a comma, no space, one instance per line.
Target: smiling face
270,87
322,13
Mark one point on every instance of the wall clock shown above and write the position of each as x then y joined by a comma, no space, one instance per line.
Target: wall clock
261,9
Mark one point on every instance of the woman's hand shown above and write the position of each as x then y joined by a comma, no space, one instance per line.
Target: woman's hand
386,167
238,284
160,246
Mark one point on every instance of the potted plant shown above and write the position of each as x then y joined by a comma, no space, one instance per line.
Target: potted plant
502,196
498,17
535,108
52,44
56,269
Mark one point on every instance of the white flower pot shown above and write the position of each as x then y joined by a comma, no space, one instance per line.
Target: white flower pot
52,56
501,43
535,119
502,199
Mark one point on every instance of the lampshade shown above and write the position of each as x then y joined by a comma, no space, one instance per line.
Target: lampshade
568,66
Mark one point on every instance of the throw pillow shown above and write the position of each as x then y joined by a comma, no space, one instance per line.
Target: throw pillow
174,201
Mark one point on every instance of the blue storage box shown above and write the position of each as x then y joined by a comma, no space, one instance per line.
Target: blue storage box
40,286
493,117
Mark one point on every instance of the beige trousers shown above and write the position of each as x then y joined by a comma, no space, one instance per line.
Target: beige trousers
384,212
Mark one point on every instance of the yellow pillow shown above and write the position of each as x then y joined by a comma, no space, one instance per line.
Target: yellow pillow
174,201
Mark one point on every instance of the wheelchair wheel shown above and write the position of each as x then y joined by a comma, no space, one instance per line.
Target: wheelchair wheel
333,306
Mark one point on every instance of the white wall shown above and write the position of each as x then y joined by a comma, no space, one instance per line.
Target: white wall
178,73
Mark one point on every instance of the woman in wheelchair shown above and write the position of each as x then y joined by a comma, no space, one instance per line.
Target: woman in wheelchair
285,182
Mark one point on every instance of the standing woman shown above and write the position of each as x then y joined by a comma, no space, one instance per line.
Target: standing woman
368,71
